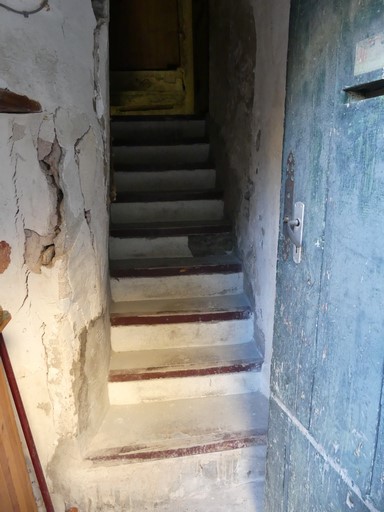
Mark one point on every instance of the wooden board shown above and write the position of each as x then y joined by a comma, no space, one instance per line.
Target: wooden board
15,486
144,35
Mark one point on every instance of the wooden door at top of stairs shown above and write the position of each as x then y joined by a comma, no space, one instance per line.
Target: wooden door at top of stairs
151,57
326,437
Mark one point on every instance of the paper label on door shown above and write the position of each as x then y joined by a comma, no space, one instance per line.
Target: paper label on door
369,54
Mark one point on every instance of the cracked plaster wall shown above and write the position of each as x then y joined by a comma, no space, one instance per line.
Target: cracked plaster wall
54,218
248,50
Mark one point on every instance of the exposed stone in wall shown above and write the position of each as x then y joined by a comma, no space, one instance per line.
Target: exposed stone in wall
41,249
247,76
5,256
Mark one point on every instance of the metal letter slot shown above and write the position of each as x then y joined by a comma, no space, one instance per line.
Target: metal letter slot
294,229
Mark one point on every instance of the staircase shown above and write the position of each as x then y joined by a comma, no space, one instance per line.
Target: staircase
185,411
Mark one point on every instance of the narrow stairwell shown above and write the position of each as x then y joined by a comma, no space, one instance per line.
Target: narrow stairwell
183,381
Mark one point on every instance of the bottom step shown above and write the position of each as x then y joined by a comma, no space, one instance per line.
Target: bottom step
179,428
231,480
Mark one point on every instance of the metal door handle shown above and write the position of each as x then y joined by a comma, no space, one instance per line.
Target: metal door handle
294,229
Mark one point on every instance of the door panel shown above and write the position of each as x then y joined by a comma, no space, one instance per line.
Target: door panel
327,371
144,35
309,112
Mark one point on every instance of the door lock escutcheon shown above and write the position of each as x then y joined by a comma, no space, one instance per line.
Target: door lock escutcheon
294,230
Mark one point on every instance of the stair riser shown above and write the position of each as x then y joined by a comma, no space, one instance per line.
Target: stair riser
169,247
161,155
205,285
158,131
199,179
123,248
149,337
167,211
135,392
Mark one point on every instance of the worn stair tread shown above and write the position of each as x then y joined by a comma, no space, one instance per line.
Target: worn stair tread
159,267
174,228
159,140
196,309
126,169
173,154
157,430
150,196
160,167
184,362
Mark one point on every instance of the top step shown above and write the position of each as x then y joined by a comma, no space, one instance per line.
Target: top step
133,131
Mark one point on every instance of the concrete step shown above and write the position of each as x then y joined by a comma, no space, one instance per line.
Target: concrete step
167,206
122,247
188,334
171,374
173,429
176,311
181,323
158,196
157,130
228,479
170,228
175,278
177,456
172,155
179,179
161,267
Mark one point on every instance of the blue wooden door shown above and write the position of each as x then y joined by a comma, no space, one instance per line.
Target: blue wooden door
326,437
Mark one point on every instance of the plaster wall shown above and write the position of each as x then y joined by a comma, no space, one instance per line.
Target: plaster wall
54,218
248,51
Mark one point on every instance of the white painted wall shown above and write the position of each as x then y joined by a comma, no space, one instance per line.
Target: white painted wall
248,50
58,338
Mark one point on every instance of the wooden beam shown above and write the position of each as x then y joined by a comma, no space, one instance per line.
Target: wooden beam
12,103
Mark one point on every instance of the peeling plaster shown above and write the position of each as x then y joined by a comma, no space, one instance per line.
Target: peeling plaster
40,249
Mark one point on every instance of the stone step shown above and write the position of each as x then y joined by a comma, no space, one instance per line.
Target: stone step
167,196
176,311
174,429
170,239
161,267
170,229
160,167
181,323
176,335
167,206
176,154
179,179
147,247
174,374
175,278
163,365
222,480
157,130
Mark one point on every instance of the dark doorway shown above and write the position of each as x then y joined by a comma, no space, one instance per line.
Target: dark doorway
158,57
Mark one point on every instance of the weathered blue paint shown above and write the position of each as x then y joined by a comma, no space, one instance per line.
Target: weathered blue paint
326,444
